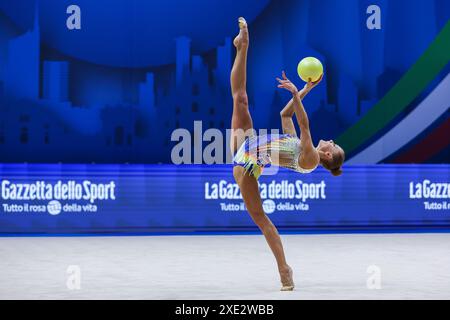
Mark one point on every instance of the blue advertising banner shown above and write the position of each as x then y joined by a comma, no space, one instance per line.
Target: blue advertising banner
102,199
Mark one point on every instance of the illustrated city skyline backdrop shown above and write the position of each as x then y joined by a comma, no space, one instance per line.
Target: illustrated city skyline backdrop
55,108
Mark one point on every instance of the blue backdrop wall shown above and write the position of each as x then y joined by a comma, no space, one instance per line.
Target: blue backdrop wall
92,91
116,88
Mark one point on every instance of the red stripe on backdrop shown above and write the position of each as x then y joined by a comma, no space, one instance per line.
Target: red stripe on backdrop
433,143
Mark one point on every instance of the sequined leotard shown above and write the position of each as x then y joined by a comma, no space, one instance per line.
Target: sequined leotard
259,151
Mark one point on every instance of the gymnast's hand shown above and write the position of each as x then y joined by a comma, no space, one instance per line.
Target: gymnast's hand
310,85
285,83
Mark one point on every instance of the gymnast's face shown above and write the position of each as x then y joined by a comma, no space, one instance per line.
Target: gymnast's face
328,148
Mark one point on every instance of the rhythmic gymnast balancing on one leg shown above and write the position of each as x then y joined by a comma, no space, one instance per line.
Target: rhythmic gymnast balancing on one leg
253,152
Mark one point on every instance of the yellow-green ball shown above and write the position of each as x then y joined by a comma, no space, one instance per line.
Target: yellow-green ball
310,69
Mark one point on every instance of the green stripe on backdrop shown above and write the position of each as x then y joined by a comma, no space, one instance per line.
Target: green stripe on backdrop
402,94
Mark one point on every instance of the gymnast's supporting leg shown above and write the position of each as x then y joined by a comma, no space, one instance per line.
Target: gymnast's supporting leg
249,185
250,192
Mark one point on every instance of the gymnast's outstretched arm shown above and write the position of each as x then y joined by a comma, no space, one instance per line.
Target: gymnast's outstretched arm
309,156
288,111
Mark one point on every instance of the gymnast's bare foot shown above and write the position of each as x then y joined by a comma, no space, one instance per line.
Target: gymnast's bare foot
287,280
242,39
